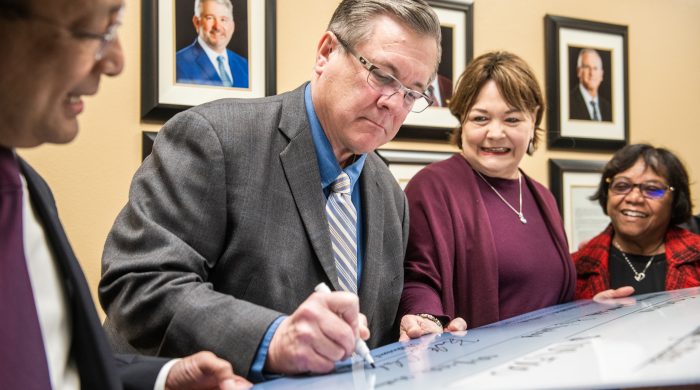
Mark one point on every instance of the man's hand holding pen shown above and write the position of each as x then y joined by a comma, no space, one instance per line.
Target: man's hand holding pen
320,332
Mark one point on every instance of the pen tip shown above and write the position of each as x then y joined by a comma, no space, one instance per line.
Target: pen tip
373,366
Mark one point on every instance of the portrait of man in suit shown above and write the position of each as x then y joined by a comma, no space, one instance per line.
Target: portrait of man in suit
208,60
588,100
440,90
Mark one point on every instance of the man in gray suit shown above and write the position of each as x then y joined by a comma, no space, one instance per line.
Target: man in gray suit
234,217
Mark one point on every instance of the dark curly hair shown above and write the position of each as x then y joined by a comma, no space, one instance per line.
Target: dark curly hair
14,9
663,163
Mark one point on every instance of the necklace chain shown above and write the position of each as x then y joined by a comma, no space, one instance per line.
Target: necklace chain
638,276
519,213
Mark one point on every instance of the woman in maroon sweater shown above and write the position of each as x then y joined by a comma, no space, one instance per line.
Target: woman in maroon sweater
486,241
645,192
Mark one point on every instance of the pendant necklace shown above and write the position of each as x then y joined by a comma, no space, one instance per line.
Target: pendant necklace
520,187
638,276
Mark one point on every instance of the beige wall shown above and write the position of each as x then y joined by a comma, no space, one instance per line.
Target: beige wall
90,177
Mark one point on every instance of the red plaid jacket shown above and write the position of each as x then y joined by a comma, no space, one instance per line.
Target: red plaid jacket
682,256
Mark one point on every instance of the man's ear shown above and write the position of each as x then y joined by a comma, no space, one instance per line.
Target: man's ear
326,46
195,22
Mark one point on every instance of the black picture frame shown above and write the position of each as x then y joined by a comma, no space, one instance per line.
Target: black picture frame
568,122
403,164
572,182
457,22
162,97
147,139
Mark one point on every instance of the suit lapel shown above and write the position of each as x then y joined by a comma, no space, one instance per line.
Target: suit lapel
89,347
303,177
43,204
207,67
373,217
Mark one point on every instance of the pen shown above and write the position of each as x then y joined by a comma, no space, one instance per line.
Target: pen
360,346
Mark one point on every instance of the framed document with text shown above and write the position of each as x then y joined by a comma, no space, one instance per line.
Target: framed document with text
572,183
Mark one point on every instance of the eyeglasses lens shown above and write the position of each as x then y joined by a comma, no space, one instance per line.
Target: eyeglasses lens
388,85
649,190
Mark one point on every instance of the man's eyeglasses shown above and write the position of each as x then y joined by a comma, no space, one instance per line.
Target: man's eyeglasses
649,189
388,85
104,39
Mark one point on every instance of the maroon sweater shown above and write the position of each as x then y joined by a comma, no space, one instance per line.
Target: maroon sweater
452,261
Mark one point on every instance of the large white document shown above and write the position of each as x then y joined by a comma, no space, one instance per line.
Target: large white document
648,340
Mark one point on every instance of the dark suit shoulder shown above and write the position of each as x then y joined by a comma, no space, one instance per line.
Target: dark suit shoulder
29,172
262,105
190,52
255,118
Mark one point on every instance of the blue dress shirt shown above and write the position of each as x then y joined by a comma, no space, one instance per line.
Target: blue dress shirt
330,169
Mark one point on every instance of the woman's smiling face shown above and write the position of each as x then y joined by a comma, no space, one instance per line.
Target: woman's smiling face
635,217
495,135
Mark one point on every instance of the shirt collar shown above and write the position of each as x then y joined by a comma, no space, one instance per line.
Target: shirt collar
211,54
587,96
327,164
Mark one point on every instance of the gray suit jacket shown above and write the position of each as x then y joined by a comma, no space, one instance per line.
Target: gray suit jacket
225,230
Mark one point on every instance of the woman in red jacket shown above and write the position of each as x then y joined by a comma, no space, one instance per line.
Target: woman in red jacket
645,192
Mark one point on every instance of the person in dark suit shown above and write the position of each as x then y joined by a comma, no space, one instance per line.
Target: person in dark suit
245,205
50,333
584,100
207,60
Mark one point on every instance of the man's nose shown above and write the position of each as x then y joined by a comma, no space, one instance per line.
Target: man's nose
395,101
112,62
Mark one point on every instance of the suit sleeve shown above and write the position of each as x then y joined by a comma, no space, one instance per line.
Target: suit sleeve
165,246
138,372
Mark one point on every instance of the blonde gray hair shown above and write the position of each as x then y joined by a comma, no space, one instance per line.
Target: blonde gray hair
198,5
353,20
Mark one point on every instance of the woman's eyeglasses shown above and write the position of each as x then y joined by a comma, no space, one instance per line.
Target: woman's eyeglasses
649,189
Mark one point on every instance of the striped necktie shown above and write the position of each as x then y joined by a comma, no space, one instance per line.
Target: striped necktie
22,357
225,79
596,115
342,223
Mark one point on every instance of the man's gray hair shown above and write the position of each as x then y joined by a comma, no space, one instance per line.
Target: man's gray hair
587,50
198,5
353,20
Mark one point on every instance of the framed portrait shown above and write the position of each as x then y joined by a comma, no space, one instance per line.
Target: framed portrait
189,59
457,25
587,84
403,164
573,182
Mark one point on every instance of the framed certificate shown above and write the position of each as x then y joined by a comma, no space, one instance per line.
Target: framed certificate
573,182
